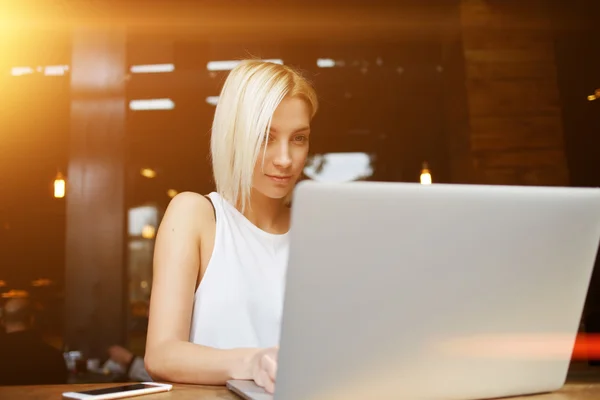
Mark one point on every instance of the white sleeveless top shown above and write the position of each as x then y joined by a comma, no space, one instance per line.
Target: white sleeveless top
239,301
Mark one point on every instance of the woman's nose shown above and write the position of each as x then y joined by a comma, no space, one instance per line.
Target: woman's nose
283,158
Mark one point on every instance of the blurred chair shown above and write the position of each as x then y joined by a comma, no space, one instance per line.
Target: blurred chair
26,359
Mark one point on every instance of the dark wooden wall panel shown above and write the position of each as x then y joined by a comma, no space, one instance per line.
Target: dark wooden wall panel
95,276
505,134
514,110
455,101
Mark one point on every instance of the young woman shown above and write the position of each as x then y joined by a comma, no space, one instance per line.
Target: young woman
220,260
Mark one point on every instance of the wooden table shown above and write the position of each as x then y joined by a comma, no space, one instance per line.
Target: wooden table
571,391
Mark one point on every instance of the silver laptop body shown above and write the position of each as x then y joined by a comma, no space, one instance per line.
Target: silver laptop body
445,292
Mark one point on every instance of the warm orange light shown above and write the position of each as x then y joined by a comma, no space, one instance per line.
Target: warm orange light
587,346
148,173
148,232
60,186
2,283
41,282
425,175
534,346
171,193
15,294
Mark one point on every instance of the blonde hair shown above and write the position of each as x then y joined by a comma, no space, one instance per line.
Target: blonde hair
250,95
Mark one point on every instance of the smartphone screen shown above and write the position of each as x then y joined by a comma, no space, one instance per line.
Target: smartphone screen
117,389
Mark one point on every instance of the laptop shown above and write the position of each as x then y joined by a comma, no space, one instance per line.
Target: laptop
445,292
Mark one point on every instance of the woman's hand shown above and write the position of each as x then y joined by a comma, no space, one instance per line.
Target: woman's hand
264,368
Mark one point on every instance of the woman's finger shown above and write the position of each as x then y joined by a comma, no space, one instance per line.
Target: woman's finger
269,384
270,365
263,380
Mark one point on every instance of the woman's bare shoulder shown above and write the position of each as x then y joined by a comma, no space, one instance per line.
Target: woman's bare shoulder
189,210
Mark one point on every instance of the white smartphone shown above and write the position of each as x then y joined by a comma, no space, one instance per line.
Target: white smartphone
119,392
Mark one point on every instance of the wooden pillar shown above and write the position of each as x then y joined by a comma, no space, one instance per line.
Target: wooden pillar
511,130
455,101
95,272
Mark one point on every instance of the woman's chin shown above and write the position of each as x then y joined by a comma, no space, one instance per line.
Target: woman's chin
274,193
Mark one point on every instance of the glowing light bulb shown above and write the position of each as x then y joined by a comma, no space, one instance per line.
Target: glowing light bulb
60,186
148,173
425,175
148,232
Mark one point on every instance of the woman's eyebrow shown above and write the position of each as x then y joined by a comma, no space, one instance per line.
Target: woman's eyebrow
303,129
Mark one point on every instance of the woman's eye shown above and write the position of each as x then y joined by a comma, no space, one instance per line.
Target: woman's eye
300,138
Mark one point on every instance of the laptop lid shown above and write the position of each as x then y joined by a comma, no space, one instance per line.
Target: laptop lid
399,290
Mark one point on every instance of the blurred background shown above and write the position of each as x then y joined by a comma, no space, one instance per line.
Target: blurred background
106,109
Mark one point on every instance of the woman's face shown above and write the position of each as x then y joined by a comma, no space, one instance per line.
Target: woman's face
277,170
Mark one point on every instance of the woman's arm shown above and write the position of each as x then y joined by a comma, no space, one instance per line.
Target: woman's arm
169,354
